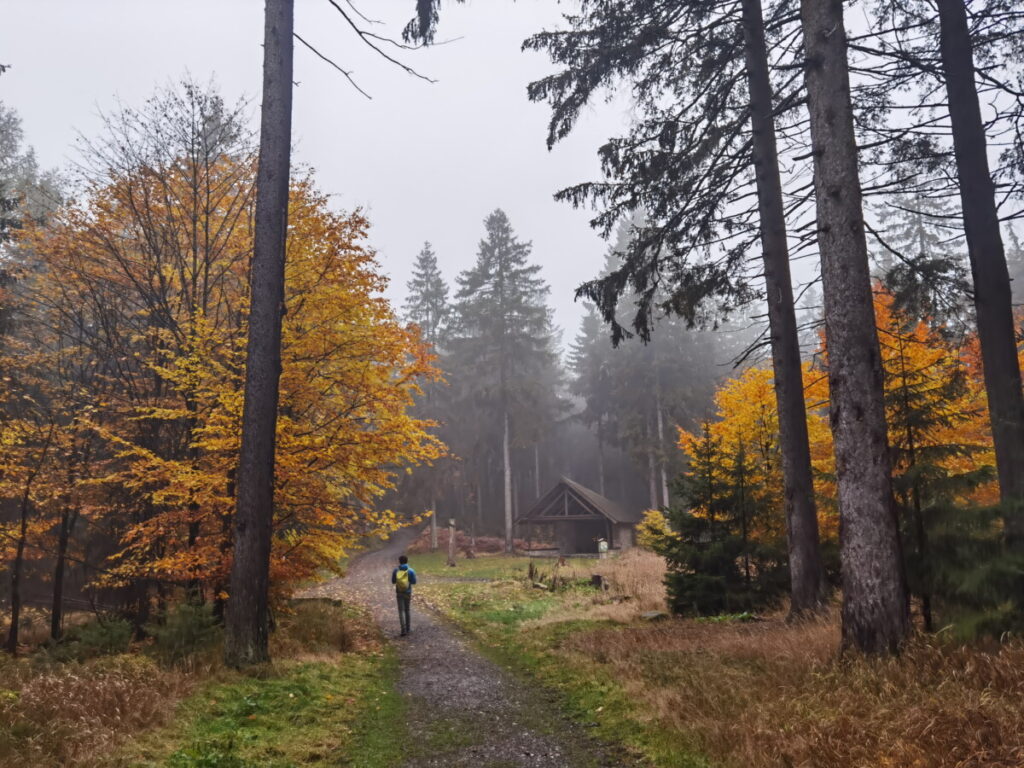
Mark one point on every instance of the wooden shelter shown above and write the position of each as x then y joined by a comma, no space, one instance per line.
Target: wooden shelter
580,517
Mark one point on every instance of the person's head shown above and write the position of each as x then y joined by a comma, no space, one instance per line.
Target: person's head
403,560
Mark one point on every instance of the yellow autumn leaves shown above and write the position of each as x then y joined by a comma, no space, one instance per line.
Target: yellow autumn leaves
919,362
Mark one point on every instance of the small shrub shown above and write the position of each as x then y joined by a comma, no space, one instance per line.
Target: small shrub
652,529
186,631
101,637
105,636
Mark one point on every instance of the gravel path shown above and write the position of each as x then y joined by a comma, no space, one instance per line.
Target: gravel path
465,710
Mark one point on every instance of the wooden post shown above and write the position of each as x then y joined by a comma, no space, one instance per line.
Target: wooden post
451,542
433,526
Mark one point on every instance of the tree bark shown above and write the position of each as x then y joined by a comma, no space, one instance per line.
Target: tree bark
600,458
876,616
67,521
652,475
806,572
507,457
992,294
247,610
17,572
661,446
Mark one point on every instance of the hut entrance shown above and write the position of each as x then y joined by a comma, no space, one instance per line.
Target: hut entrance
581,536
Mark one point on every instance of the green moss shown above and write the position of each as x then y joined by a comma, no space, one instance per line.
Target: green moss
298,714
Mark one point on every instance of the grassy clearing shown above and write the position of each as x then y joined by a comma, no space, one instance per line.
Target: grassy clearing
496,567
169,702
747,693
484,566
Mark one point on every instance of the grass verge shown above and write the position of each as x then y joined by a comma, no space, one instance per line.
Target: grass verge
327,700
339,712
749,693
517,626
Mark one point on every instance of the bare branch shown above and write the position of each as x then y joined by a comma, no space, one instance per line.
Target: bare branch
346,73
371,40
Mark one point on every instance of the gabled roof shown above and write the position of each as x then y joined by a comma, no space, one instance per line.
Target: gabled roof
595,504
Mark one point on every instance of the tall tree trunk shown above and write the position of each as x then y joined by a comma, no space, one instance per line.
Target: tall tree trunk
17,573
992,294
806,572
600,458
876,615
452,540
536,471
661,446
247,628
652,474
67,521
479,503
507,456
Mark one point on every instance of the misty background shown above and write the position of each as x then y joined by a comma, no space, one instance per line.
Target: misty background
427,161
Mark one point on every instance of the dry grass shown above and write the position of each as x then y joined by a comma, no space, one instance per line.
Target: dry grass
771,694
69,714
637,577
635,585
75,715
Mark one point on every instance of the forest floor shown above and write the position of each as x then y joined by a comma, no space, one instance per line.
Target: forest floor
519,663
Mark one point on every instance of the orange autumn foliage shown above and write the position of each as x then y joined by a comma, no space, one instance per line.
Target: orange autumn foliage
168,320
912,352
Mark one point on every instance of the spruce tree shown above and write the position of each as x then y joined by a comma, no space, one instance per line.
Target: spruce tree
427,302
502,342
963,50
919,264
427,307
715,563
247,621
591,369
702,78
954,565
876,617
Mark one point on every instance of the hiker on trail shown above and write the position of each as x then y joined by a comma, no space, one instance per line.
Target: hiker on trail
403,577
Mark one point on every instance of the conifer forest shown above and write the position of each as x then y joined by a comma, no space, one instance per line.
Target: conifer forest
674,345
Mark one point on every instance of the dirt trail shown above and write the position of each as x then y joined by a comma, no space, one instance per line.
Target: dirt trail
465,710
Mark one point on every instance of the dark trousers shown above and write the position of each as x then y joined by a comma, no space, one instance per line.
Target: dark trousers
404,614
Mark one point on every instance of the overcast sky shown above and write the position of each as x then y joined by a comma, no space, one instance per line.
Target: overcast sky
426,161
